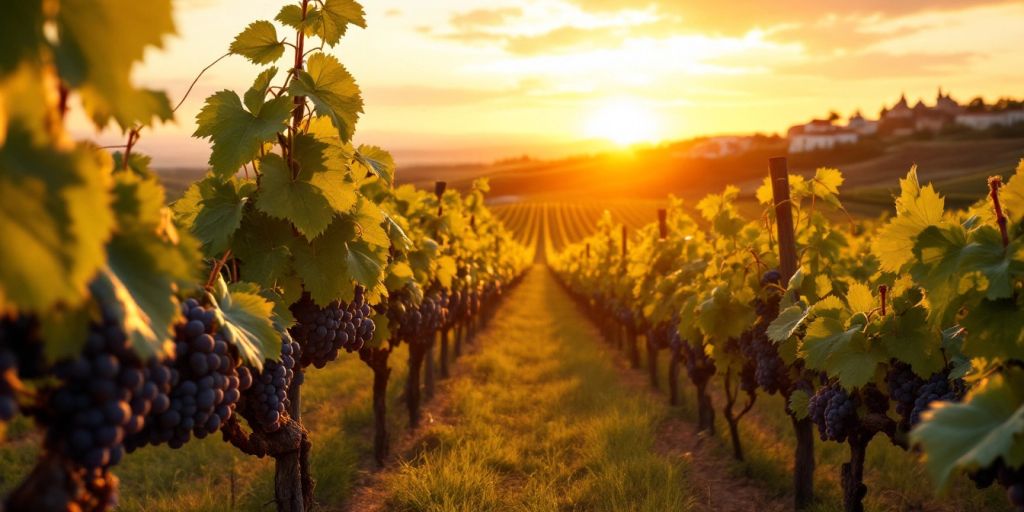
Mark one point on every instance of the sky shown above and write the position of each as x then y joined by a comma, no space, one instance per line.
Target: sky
477,80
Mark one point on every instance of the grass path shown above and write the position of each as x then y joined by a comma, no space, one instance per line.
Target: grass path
537,419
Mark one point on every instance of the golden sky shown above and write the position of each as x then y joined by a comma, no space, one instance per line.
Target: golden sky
458,80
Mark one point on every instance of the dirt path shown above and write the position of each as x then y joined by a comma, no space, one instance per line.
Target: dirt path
554,420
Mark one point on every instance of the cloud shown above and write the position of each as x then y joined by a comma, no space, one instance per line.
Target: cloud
480,18
413,95
873,65
739,16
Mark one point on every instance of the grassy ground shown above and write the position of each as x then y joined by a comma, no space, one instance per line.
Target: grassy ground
211,475
896,480
540,421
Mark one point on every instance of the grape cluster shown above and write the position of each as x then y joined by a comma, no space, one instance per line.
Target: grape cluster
8,385
903,384
201,387
322,332
1010,478
267,398
21,357
699,365
104,395
770,370
938,387
834,411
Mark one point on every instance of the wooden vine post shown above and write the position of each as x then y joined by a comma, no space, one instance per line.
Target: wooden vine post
803,472
428,371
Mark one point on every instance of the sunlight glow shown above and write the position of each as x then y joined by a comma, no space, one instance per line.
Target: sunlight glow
623,121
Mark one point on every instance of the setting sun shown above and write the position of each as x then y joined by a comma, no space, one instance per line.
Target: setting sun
624,122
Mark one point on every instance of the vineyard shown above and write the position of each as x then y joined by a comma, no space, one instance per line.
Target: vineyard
297,332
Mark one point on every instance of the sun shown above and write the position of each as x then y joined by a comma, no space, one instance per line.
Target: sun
623,121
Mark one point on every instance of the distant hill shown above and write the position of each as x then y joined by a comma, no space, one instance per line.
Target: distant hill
872,174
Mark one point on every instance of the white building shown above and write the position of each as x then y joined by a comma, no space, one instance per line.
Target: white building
989,119
819,135
860,125
720,147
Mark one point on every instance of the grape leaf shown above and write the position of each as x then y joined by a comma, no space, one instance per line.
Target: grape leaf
99,42
335,17
722,317
987,255
246,317
256,96
446,270
55,216
140,276
1011,196
916,209
333,91
860,299
301,202
330,23
237,134
262,243
220,212
906,337
258,43
370,218
798,401
377,161
21,34
366,265
787,323
987,425
322,263
839,351
995,329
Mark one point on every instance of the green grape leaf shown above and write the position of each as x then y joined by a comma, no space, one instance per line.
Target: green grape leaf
906,337
722,316
860,299
55,216
370,218
843,352
237,134
308,153
1011,196
446,270
99,42
916,209
938,253
995,329
64,332
138,201
396,234
246,319
377,161
399,275
323,263
291,16
987,255
335,17
262,243
787,323
365,264
21,34
332,90
256,96
972,434
220,212
301,202
258,43
798,401
139,279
